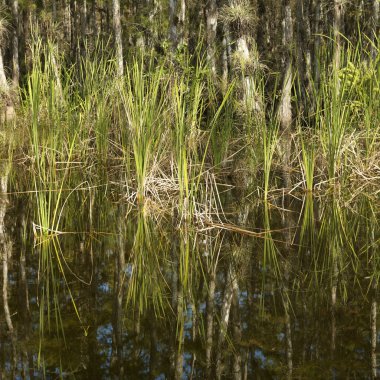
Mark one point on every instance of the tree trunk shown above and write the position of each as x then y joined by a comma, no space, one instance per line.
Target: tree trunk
15,34
334,289
74,25
316,10
83,28
374,295
285,111
246,59
286,106
337,30
117,338
237,336
172,23
375,27
289,225
93,21
83,19
373,337
155,21
225,57
212,23
67,20
182,32
231,285
303,53
4,86
176,355
118,38
23,287
210,323
6,252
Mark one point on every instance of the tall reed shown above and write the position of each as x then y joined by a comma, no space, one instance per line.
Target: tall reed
143,100
187,104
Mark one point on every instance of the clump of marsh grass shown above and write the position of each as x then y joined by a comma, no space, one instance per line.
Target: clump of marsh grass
43,105
187,110
96,90
143,105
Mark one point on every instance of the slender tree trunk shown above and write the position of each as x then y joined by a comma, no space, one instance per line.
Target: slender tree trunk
285,111
178,370
155,21
15,47
6,256
231,285
180,316
375,27
93,21
286,106
212,23
117,340
75,32
23,304
83,27
337,30
225,57
83,19
4,86
210,323
334,288
176,356
247,84
288,224
374,338
3,198
237,336
23,288
6,252
316,10
374,294
246,60
118,38
67,20
303,52
177,353
181,16
172,24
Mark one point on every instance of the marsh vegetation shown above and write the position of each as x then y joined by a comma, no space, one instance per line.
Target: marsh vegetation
196,196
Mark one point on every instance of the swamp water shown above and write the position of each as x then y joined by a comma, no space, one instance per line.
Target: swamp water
280,290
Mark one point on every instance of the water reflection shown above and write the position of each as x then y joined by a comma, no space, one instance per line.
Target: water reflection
134,295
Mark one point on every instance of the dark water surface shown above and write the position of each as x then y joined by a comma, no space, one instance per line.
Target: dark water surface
286,290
